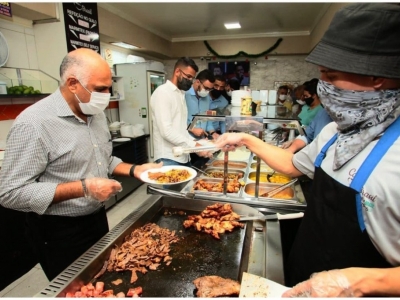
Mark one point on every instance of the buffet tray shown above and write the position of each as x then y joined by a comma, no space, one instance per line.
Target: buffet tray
243,250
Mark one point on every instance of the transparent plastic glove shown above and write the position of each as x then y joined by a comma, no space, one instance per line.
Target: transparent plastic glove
102,188
324,284
287,144
229,141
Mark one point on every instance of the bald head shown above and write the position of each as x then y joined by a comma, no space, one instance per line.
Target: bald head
82,63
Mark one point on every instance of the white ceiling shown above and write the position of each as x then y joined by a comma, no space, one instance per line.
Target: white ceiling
205,21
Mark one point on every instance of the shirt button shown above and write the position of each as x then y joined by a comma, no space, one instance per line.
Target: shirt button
99,163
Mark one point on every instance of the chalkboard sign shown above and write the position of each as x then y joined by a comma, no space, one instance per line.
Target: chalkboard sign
81,26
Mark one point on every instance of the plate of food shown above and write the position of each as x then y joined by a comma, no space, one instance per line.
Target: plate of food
168,175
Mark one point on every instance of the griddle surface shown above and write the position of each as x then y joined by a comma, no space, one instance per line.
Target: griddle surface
197,254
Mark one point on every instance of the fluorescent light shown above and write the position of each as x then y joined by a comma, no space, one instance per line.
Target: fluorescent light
124,45
232,25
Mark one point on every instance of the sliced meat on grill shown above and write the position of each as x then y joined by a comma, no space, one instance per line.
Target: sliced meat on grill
215,286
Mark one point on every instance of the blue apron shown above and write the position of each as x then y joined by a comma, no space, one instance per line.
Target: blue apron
332,234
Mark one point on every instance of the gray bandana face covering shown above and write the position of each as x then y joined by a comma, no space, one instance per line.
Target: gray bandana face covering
361,116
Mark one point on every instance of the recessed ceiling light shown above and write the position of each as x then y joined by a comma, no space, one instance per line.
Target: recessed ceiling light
232,25
124,45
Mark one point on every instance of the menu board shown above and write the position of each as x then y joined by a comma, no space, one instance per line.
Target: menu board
81,26
5,9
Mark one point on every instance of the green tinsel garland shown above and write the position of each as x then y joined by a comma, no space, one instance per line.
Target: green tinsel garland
242,53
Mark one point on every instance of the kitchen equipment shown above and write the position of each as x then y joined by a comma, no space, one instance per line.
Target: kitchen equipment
270,175
127,130
202,172
178,151
253,286
275,191
196,255
140,79
276,216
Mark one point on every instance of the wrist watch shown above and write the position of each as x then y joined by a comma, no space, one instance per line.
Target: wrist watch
132,171
85,191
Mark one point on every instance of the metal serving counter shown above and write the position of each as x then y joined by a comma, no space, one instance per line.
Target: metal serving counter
255,249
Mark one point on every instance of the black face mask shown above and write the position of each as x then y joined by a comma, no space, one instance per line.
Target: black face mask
184,84
309,100
215,93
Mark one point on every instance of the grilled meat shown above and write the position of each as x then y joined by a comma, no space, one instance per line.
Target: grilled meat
215,220
145,248
215,286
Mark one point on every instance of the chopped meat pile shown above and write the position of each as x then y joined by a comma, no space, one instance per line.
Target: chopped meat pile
145,248
214,220
233,186
215,286
91,291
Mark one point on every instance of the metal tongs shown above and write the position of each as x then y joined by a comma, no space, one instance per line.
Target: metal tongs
275,191
276,216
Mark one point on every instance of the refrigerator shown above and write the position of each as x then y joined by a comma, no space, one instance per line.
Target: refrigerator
139,80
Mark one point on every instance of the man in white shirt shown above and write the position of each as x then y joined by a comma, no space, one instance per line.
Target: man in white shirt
169,113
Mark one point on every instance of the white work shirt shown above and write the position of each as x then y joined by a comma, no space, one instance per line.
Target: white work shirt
169,113
380,194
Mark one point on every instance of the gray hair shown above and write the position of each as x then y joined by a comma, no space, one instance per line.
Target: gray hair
73,65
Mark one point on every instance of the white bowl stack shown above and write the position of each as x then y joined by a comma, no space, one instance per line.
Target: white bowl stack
238,95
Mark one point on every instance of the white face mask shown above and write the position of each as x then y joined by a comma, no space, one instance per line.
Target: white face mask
229,93
97,103
282,97
301,102
203,93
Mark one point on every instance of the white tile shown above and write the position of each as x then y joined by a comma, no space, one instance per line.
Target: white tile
27,285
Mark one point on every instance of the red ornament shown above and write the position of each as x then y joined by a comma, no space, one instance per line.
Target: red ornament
214,58
266,56
247,60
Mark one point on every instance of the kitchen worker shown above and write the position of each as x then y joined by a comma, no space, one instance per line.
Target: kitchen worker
170,114
57,162
349,235
218,102
198,101
312,103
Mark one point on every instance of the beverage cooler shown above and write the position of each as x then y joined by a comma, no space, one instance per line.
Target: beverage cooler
140,81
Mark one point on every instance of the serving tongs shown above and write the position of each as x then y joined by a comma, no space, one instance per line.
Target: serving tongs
201,171
278,189
276,216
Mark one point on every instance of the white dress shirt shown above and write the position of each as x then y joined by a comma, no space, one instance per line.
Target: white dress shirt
169,114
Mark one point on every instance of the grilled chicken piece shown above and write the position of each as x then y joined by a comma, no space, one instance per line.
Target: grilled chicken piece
215,286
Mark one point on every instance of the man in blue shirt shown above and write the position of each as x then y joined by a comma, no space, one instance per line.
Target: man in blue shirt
198,101
218,103
320,120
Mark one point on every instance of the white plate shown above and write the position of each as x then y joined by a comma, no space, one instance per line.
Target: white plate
145,175
121,140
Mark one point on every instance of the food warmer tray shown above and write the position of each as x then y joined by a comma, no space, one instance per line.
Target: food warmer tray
254,249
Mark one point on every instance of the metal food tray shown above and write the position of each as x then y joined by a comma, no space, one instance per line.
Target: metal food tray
213,180
232,164
230,171
265,187
249,249
263,167
264,174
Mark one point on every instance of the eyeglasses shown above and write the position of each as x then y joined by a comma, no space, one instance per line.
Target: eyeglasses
188,76
206,88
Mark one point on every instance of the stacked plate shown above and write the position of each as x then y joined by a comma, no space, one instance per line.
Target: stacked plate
238,95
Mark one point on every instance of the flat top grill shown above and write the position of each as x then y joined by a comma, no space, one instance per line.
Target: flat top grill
196,254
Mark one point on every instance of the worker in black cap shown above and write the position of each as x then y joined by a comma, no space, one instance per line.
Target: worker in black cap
349,236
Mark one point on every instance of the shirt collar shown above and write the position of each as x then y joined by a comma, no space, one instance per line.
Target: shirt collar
63,109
